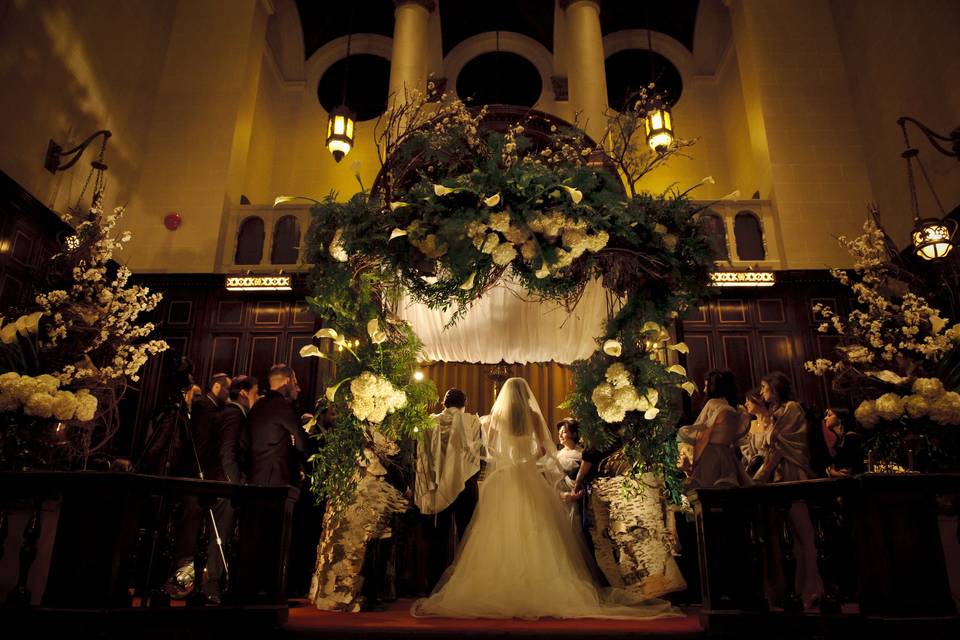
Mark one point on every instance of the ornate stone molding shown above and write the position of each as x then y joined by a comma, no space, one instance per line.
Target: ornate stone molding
560,87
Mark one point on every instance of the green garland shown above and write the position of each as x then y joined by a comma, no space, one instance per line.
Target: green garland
456,209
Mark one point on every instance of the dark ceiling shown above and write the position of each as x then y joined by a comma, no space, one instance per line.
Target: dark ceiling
326,20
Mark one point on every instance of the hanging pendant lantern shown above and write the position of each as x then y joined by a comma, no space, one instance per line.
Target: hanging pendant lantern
933,237
340,132
659,127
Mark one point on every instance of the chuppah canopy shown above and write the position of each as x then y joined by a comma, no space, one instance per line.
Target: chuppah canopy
510,325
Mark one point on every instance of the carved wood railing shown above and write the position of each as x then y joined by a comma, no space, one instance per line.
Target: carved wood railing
878,546
94,535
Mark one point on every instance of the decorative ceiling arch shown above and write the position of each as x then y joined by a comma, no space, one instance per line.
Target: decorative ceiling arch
285,39
509,41
335,50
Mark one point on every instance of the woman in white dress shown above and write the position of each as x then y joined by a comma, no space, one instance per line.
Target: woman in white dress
570,456
520,558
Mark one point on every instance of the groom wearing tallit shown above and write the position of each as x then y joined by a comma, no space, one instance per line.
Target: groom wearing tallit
448,463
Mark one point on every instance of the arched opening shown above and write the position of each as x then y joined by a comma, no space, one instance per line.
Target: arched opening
716,234
748,233
250,241
368,83
286,241
629,70
499,77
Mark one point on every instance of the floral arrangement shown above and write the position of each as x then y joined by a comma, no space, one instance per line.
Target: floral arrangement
459,206
65,363
898,357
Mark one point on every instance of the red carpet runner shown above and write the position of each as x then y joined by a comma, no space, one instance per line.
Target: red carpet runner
395,622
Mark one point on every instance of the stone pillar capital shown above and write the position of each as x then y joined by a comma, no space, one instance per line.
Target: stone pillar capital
564,4
429,5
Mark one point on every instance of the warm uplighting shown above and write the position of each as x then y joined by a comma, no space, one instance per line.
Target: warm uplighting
659,126
275,282
418,376
743,278
340,130
933,237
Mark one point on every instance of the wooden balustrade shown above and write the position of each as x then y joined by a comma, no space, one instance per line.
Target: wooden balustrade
878,553
114,539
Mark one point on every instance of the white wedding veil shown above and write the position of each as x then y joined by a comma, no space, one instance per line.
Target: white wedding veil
516,431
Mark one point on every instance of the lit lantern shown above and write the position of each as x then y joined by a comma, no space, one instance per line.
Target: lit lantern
933,237
340,128
659,125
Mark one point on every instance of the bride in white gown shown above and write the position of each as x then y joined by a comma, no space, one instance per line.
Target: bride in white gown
519,557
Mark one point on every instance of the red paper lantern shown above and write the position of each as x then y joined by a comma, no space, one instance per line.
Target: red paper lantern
172,221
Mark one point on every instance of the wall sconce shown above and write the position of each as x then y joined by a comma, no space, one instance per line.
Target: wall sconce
55,152
932,237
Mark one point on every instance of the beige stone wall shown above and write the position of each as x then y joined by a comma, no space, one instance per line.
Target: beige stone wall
799,105
70,68
802,123
902,58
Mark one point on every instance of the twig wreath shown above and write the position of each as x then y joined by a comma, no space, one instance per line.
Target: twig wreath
459,207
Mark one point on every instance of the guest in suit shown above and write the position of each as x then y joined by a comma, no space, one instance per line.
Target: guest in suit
231,423
276,439
205,428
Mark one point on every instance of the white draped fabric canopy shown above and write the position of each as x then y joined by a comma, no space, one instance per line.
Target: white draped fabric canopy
509,325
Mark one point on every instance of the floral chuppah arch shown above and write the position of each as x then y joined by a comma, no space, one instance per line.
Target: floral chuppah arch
458,208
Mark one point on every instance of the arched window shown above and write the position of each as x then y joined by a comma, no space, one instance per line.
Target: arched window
749,235
713,229
286,241
250,241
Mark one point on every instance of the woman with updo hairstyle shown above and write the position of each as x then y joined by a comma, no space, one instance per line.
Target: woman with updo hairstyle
714,436
570,457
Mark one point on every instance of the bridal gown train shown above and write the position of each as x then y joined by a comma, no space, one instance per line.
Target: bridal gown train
520,558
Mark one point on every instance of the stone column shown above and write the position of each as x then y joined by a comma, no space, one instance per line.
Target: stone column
408,60
586,73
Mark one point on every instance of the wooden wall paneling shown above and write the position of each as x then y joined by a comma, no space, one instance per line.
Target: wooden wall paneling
731,311
262,352
779,355
267,313
739,357
224,357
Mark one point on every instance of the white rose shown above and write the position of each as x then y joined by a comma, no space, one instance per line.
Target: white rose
47,383
86,406
929,388
946,409
866,414
64,405
916,406
504,254
890,406
8,381
39,404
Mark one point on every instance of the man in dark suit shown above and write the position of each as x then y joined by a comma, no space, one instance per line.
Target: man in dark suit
276,439
205,427
231,425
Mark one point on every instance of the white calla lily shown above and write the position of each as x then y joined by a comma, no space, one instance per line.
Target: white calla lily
373,330
613,348
285,199
311,350
677,369
650,327
327,332
441,190
397,233
493,200
651,413
331,392
468,283
689,387
575,194
680,346
396,205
